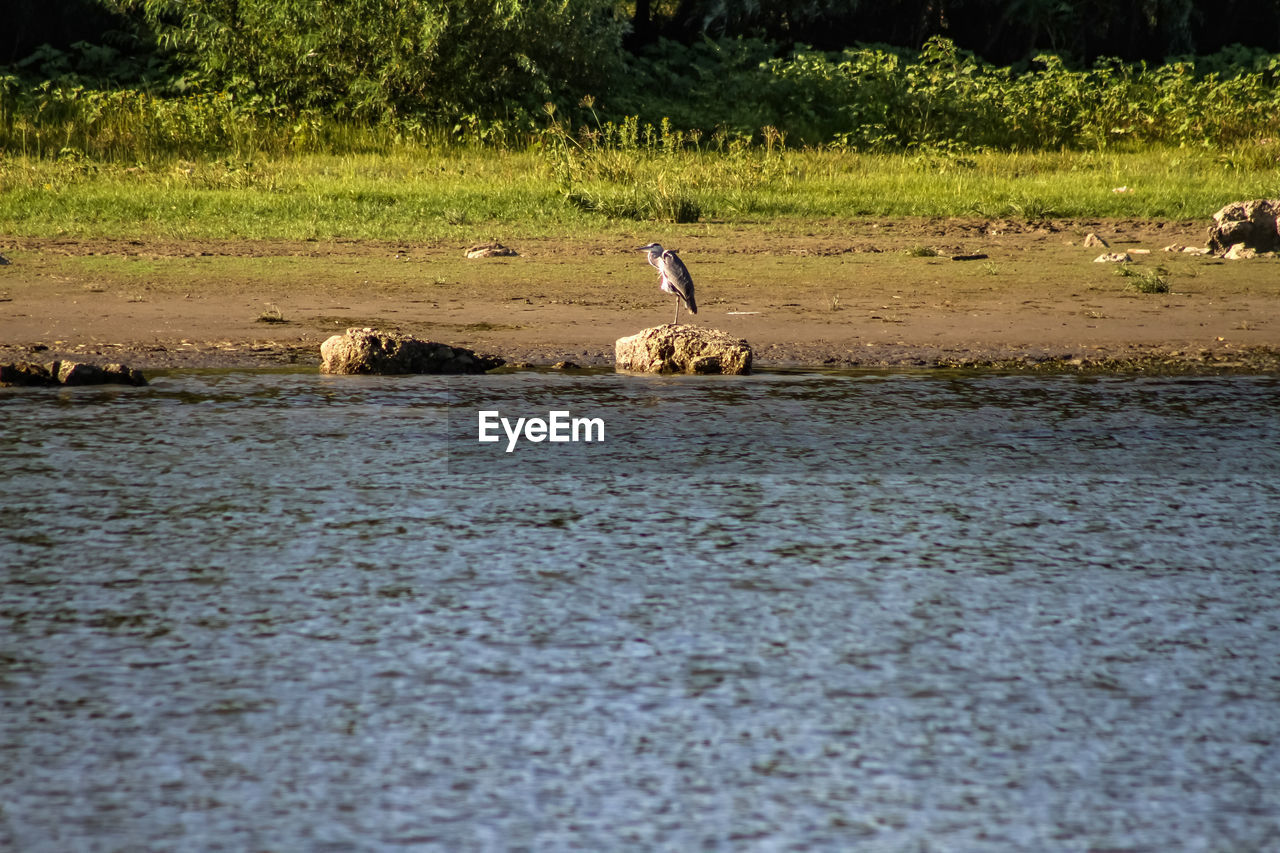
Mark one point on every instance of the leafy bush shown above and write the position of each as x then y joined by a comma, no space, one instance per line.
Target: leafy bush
323,84
370,61
879,99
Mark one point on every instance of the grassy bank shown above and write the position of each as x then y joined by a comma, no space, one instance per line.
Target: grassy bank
410,193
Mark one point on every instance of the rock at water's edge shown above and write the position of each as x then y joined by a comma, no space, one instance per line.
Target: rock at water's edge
1252,223
69,373
26,373
83,373
371,351
682,349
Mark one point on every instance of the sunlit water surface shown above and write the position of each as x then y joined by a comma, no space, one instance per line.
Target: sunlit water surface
280,611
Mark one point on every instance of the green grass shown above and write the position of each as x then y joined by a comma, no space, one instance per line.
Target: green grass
423,194
1146,281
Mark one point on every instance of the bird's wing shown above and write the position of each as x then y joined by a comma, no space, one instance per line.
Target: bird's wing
680,279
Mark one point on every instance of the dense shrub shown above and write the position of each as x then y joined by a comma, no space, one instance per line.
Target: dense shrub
369,60
400,88
877,98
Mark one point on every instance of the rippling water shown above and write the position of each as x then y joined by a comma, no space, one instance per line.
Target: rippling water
885,612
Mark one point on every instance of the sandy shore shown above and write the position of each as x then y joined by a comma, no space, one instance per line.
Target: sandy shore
837,294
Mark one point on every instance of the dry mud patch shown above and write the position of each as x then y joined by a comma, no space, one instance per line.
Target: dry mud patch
851,294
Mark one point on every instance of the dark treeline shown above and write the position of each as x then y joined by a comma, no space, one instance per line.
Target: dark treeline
31,23
1000,31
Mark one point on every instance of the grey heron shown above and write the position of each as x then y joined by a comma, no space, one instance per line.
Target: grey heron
674,277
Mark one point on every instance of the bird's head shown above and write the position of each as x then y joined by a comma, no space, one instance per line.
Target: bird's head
652,248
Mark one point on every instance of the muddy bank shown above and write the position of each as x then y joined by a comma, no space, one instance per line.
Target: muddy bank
1123,360
835,294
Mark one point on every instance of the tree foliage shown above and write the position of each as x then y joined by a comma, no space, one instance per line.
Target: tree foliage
372,60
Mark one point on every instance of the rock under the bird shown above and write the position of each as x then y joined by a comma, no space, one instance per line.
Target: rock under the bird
673,348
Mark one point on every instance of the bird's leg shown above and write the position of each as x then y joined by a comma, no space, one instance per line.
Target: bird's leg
676,321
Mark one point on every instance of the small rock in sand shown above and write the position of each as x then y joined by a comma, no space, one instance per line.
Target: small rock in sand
491,250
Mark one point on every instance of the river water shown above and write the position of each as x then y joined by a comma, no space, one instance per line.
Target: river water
283,611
